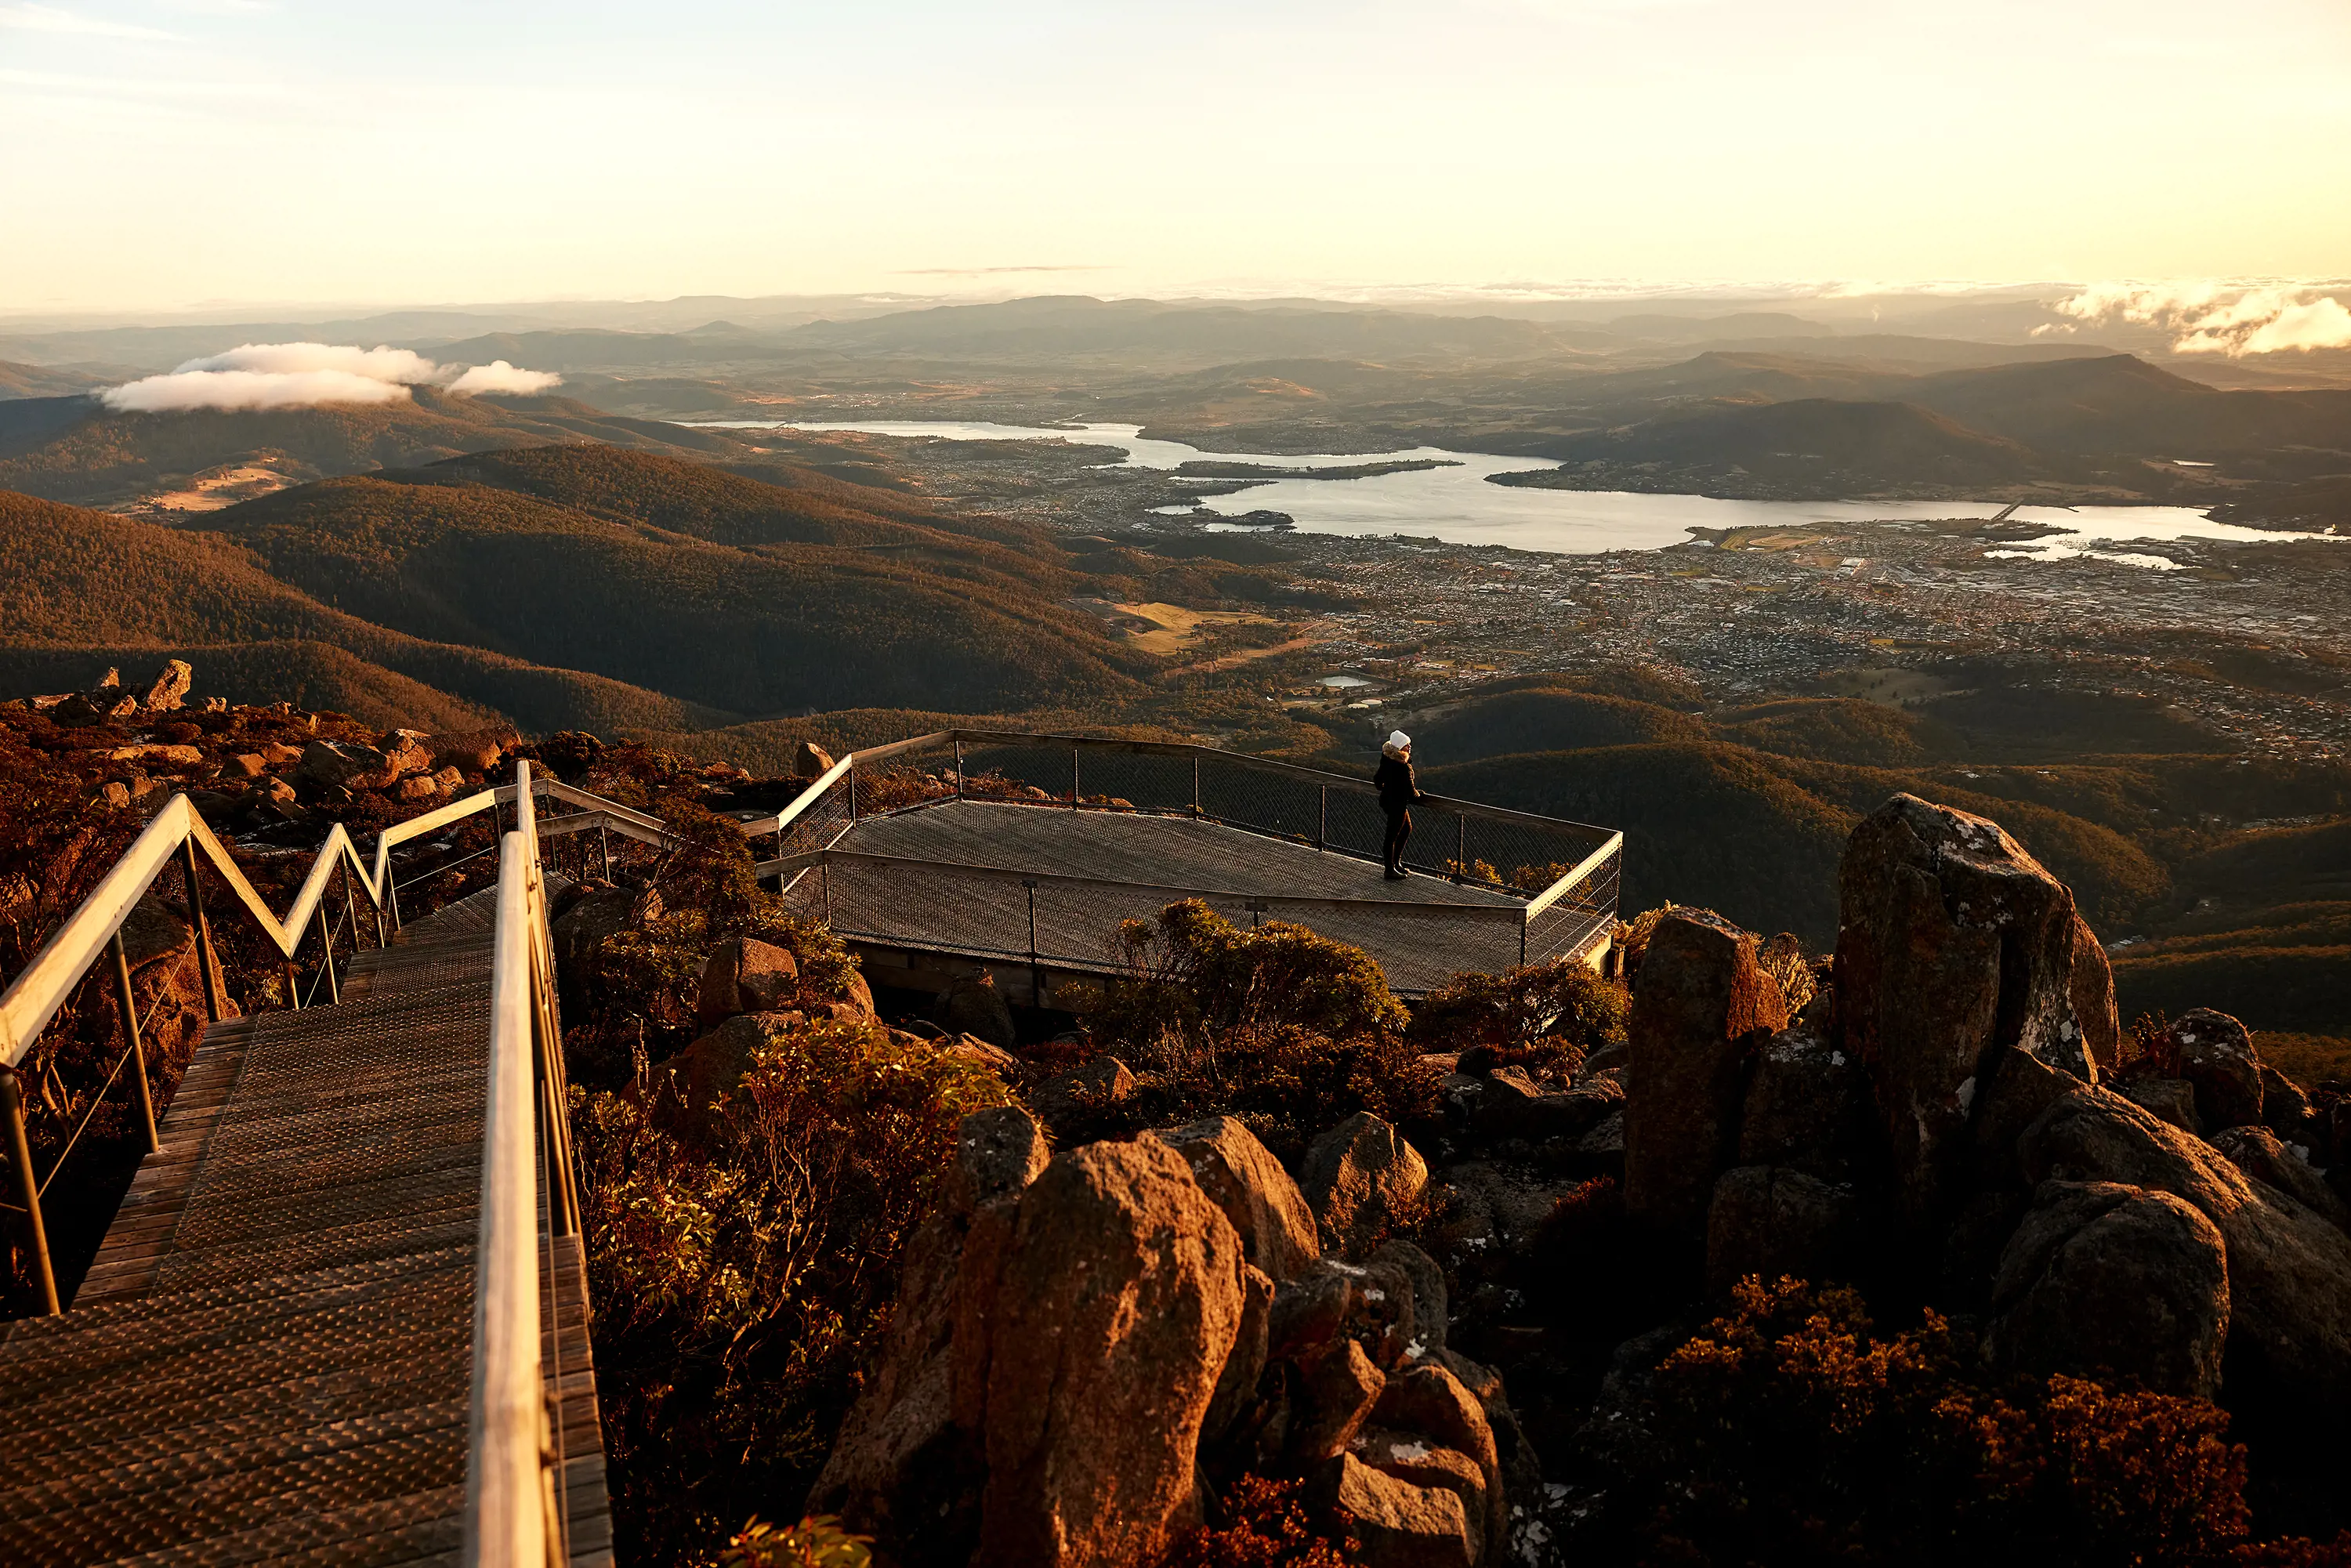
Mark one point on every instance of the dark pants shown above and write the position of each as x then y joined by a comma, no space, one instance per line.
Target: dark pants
1400,832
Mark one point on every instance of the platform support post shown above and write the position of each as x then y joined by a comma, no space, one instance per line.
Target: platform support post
1074,779
1036,970
1195,787
958,769
1323,817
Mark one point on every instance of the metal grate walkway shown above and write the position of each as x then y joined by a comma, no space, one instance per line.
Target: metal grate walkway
269,1361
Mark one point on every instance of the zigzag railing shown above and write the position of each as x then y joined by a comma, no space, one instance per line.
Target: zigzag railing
179,834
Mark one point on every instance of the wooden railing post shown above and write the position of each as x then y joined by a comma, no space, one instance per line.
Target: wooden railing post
205,962
28,1190
958,769
130,1004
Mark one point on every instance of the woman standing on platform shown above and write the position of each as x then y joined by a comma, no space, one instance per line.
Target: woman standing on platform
1397,792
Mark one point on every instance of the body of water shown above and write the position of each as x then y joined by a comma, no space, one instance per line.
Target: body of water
1457,503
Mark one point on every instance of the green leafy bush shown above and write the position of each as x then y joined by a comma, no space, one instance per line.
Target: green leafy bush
1289,1030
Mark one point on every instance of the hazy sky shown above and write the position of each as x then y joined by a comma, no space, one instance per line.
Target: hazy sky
164,152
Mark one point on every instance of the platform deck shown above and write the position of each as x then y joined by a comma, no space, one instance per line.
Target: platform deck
1129,865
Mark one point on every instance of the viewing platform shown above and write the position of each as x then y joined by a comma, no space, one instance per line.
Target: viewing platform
1023,854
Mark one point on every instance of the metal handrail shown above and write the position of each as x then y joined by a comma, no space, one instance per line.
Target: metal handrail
1611,843
35,996
512,1463
873,754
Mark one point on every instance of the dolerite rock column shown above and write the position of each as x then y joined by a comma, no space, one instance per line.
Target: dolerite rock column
1701,1010
1954,943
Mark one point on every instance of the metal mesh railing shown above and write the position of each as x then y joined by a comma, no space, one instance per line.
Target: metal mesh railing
1562,878
1073,923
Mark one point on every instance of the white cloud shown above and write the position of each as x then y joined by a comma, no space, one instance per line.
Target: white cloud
235,390
305,375
32,18
379,363
498,376
2210,317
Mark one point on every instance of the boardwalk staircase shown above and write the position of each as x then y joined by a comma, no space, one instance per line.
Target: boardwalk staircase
341,1315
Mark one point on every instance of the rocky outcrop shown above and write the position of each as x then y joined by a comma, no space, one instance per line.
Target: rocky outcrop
1242,1177
2171,1100
580,931
343,765
2289,1270
1807,1106
170,687
708,1072
1954,943
811,760
2262,1155
973,1005
908,1464
744,974
1359,1179
1400,1523
2102,1280
1702,1009
471,750
1771,1220
2216,1055
1072,1336
1119,1300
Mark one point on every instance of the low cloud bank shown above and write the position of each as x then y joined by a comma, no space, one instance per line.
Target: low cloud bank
498,376
2235,320
307,375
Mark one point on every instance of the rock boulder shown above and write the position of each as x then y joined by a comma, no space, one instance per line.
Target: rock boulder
1243,1178
2102,1278
1701,1007
1954,942
1771,1220
1359,1178
744,974
2289,1270
1121,1296
2216,1055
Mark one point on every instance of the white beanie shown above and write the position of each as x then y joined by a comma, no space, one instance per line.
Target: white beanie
1398,741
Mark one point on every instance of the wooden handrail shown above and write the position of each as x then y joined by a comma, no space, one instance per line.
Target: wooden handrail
1567,884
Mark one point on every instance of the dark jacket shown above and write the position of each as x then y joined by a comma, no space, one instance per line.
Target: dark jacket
1394,780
